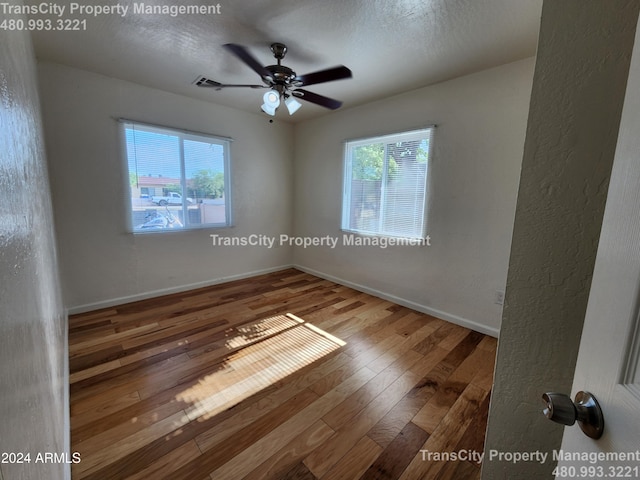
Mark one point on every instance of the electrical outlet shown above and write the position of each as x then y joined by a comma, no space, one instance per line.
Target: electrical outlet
499,298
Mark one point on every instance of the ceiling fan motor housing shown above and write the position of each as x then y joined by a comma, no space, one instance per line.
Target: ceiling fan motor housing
280,75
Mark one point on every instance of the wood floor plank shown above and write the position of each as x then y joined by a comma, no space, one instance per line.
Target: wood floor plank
389,426
356,461
77,349
253,412
428,343
257,368
418,321
93,371
131,379
219,383
240,465
95,358
348,409
398,454
104,400
82,415
329,381
283,461
447,434
299,472
95,461
484,377
89,318
106,438
331,451
370,348
459,470
363,339
473,439
169,463
214,458
403,349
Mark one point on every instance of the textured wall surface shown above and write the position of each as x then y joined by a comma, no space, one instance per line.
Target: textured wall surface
33,381
478,147
612,312
576,103
100,261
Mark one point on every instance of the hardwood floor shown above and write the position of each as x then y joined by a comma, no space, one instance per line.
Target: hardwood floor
282,376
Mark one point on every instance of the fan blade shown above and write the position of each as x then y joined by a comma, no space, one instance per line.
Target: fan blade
207,82
225,85
328,75
243,54
317,99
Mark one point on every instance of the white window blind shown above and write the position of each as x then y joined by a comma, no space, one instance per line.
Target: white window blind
385,184
177,179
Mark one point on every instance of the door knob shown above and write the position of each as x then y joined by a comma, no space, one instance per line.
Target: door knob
585,410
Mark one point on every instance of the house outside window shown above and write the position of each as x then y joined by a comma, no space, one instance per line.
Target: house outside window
178,180
385,184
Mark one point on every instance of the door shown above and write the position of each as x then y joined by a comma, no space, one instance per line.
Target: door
609,358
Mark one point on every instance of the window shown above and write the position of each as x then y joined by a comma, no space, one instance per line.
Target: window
178,180
385,184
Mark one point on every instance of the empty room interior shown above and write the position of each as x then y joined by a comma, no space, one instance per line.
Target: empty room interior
299,240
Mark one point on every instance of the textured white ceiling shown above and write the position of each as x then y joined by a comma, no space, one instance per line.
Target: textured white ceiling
390,46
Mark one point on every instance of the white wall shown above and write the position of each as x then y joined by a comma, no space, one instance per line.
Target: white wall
101,262
33,380
477,155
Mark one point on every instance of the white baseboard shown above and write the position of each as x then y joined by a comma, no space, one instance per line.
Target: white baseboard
168,291
463,322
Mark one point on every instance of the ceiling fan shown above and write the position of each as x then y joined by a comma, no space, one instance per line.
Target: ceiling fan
282,82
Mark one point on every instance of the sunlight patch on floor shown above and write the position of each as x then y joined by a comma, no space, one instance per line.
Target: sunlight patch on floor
275,348
267,327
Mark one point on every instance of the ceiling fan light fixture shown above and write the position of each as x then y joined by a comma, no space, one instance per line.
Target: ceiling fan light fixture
292,105
271,102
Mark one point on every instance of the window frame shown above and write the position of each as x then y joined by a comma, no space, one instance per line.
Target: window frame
349,145
183,135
